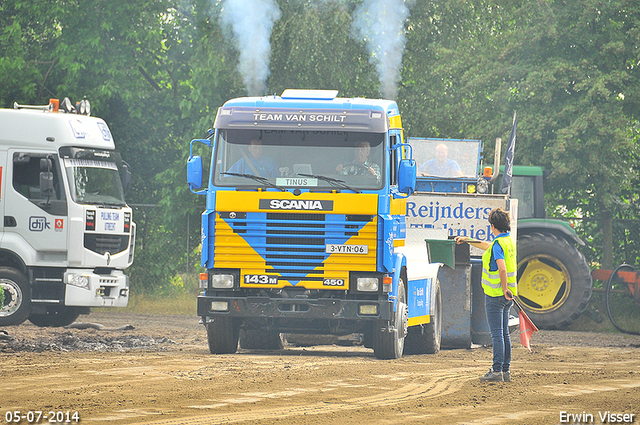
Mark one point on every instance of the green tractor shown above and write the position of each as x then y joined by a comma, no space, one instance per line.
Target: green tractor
554,279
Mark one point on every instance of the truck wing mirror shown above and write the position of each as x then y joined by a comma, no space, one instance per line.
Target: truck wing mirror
46,184
407,176
406,169
194,166
126,176
45,164
46,178
194,172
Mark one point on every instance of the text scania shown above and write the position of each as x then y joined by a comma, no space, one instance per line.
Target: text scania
296,204
301,117
437,211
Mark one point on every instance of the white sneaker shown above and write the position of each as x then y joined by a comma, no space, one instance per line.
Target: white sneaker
492,376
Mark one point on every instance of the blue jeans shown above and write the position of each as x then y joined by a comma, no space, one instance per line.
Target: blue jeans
497,309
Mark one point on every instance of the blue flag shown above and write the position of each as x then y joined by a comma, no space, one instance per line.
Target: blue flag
508,158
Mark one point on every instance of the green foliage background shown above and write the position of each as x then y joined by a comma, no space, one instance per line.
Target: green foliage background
157,70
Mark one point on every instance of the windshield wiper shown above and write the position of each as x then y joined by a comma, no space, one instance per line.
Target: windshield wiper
260,179
333,182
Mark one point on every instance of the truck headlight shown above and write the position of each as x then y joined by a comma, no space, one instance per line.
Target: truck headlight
222,281
367,284
81,281
483,186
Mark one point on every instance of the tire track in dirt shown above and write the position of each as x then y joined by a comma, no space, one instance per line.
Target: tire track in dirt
112,376
421,387
394,392
595,387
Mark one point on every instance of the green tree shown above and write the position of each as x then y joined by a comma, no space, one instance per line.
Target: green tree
29,32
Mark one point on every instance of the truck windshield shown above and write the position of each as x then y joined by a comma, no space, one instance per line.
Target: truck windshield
312,159
94,181
446,158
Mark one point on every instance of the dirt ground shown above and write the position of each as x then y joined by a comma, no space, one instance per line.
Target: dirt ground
160,372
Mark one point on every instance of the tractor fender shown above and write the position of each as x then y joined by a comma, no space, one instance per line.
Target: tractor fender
556,227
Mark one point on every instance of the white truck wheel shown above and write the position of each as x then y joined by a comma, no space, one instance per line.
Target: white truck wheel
17,301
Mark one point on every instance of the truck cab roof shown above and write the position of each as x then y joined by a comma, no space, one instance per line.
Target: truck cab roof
317,110
43,129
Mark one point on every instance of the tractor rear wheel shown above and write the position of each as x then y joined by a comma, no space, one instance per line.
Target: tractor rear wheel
554,280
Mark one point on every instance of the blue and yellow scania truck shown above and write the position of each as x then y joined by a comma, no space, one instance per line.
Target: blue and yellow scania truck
304,228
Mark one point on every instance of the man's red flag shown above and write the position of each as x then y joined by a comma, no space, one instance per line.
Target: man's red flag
527,328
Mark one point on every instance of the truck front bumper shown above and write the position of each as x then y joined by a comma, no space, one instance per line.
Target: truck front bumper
294,308
101,290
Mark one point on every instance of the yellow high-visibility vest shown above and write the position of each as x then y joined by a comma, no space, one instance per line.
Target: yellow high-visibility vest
491,279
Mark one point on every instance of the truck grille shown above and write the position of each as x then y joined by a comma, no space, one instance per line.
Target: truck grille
106,243
292,245
295,245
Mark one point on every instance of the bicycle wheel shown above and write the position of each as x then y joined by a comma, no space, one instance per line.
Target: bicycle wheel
622,310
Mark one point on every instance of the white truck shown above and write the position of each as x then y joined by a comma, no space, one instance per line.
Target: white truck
66,233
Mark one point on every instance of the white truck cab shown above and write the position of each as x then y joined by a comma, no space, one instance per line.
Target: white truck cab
66,233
